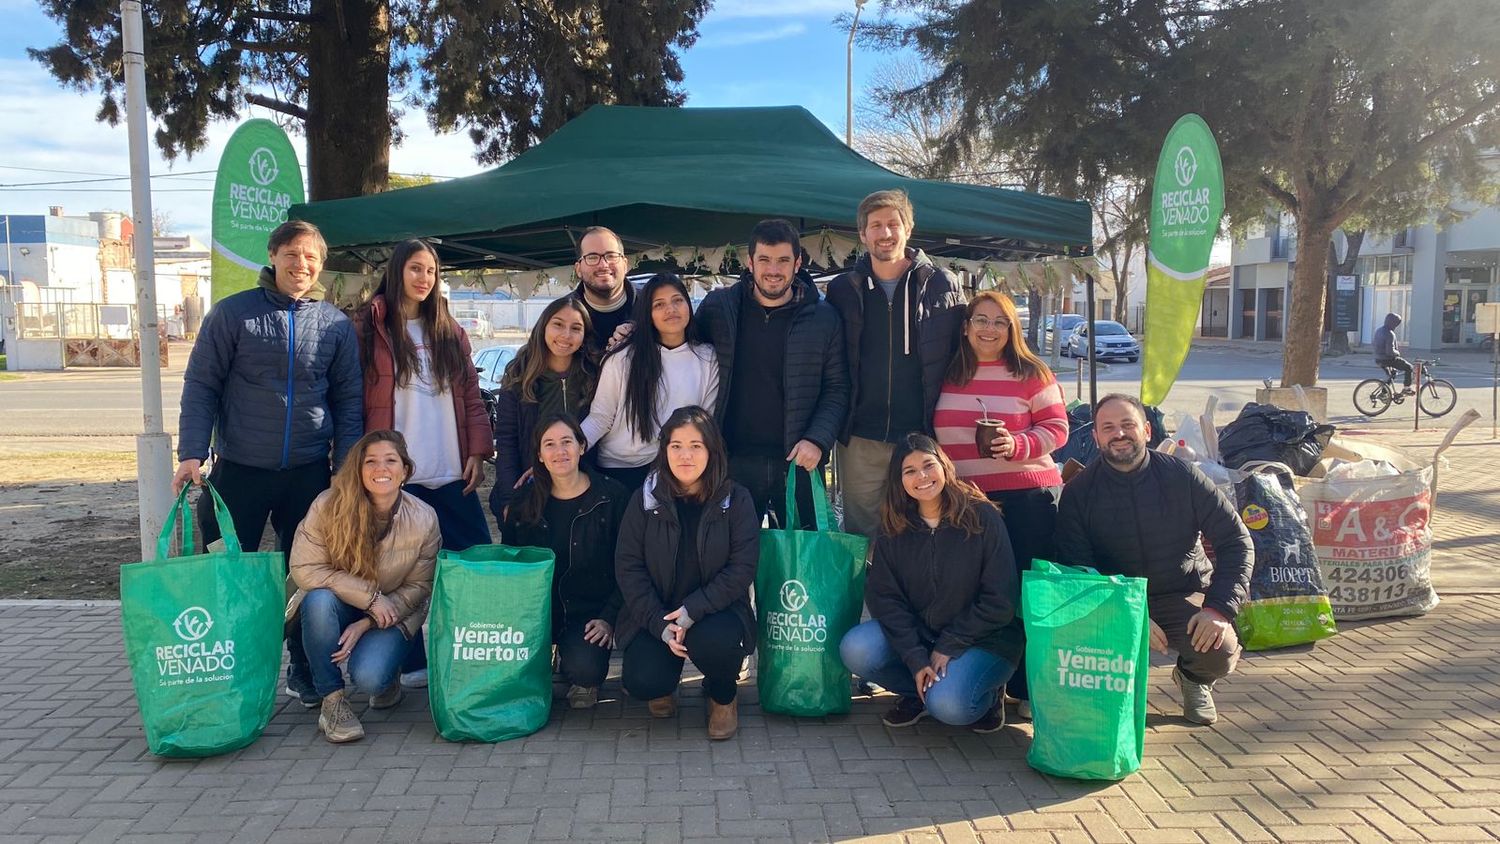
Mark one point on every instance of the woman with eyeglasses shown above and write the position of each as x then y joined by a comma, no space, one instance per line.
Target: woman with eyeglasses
653,373
994,373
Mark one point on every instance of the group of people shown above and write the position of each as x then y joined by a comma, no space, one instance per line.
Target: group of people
645,444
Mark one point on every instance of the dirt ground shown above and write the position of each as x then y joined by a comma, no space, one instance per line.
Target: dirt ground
69,520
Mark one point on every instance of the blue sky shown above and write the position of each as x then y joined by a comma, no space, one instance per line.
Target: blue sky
751,52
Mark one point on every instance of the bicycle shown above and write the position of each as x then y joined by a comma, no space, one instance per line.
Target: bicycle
1374,396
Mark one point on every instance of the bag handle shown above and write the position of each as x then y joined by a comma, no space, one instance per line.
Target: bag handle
221,515
1048,567
821,517
1270,467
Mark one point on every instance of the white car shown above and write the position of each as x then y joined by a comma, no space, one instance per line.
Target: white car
474,323
1111,340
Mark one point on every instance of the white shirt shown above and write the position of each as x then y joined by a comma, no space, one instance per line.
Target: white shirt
690,375
425,416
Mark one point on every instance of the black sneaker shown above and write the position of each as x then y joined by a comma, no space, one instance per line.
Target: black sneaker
990,721
907,711
299,685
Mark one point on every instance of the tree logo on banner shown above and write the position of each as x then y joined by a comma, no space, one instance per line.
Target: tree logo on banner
1186,166
263,167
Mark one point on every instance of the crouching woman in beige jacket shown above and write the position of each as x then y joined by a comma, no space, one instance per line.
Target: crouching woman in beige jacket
362,561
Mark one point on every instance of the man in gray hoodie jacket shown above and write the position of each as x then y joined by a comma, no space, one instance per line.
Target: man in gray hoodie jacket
1386,354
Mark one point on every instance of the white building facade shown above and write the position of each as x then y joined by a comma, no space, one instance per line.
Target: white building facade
1431,277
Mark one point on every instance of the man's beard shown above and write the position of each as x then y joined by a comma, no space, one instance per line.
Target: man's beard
765,292
601,287
1126,460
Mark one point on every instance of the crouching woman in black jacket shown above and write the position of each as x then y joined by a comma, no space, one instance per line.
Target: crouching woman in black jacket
577,514
943,593
689,545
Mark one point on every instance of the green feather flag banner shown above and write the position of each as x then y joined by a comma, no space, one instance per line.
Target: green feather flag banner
1187,200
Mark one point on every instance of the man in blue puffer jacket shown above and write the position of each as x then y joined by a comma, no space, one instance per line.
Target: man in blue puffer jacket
274,379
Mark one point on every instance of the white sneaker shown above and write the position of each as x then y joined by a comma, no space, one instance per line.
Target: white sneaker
1023,709
415,679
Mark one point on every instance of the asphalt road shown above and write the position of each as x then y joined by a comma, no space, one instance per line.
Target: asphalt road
89,403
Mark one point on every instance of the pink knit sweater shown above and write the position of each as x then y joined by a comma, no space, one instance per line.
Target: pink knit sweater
1034,413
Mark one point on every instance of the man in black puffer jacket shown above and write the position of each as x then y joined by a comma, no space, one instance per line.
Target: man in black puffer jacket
1141,513
274,379
902,319
783,378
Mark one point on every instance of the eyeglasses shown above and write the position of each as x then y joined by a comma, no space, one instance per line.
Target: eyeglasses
985,324
593,258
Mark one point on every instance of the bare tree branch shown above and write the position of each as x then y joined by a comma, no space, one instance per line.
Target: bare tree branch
277,105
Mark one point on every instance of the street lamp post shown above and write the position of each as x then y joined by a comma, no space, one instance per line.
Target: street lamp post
849,77
153,453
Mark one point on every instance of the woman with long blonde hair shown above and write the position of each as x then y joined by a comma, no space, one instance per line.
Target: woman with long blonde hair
363,561
995,372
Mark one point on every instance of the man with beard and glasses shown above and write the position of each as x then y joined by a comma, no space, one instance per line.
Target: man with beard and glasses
783,376
1143,513
609,298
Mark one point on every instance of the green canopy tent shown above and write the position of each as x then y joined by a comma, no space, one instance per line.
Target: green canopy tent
688,177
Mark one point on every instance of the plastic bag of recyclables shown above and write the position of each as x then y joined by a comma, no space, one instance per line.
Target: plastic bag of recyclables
1370,508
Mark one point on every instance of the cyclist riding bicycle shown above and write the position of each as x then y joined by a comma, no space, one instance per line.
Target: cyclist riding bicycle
1386,353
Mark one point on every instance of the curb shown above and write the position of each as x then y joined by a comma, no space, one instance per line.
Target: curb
57,603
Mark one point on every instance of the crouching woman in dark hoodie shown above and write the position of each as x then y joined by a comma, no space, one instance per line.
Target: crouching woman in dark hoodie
577,514
943,594
689,545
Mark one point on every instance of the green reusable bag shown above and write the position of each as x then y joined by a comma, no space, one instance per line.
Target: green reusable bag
809,590
203,637
1087,641
489,642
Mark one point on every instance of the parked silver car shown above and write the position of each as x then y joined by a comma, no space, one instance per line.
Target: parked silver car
1111,340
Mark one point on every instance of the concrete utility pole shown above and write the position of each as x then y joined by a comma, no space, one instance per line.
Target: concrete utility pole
153,448
849,77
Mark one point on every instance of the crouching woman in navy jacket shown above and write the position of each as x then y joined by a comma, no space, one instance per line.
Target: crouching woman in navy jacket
689,545
943,593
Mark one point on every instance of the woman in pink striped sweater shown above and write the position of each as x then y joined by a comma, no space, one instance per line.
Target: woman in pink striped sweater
994,366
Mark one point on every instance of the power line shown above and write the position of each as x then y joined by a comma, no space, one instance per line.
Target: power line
106,190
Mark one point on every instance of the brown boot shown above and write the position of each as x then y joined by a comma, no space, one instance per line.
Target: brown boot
723,719
662,707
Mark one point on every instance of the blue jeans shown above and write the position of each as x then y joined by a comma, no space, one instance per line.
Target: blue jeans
963,696
377,655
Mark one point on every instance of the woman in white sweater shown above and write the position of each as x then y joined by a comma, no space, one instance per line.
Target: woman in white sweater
650,375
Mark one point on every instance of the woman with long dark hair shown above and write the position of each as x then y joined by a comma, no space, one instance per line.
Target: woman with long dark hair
655,372
362,561
577,514
943,595
689,545
995,372
420,381
554,373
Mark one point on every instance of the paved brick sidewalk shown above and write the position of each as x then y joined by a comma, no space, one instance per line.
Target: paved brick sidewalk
1389,731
